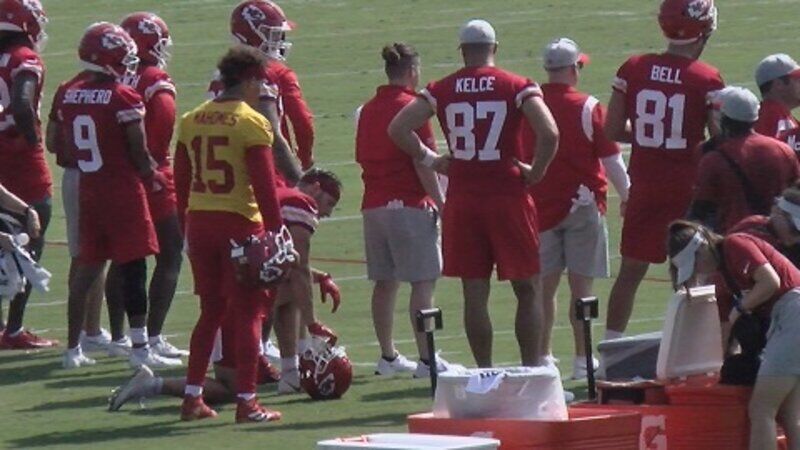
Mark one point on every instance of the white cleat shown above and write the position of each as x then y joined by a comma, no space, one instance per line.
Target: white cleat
135,389
74,358
146,357
400,364
97,343
120,348
289,383
167,350
442,365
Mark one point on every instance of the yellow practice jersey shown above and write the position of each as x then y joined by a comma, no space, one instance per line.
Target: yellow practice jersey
216,136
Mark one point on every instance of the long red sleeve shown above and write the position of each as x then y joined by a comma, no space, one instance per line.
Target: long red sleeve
300,116
183,179
160,124
261,171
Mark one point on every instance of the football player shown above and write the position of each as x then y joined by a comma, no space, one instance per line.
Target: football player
668,99
23,169
571,198
226,190
154,84
778,80
98,122
490,217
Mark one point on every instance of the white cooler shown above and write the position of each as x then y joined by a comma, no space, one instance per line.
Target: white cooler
506,393
390,441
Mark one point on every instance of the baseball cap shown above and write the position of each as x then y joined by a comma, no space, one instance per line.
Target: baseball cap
684,260
775,66
739,104
477,31
563,52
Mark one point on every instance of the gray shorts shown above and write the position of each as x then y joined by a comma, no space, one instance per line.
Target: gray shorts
579,244
780,357
402,244
70,185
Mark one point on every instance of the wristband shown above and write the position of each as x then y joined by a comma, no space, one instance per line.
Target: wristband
429,158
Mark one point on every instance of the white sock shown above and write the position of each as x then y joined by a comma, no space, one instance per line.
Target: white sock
193,390
611,334
289,364
138,335
153,340
246,397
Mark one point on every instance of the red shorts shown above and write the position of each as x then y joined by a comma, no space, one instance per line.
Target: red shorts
114,224
209,234
24,171
649,212
163,203
478,233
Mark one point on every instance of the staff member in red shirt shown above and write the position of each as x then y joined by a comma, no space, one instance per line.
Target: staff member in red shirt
400,208
781,228
571,198
778,79
741,171
770,287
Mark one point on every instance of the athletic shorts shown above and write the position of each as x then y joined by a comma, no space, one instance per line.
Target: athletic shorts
70,185
402,244
579,244
208,235
163,203
114,225
780,357
481,232
649,212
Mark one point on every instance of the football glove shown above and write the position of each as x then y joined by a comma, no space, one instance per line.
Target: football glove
328,287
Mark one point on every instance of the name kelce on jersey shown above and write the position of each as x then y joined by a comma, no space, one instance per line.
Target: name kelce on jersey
664,74
475,85
87,96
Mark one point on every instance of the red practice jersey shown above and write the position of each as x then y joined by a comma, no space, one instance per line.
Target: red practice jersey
298,209
23,169
159,123
389,174
774,119
479,111
667,99
582,143
294,110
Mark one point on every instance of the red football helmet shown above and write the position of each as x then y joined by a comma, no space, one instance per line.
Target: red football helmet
686,21
25,16
263,261
107,48
263,25
325,371
151,35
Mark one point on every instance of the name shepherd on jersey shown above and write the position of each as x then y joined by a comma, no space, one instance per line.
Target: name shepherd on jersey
87,96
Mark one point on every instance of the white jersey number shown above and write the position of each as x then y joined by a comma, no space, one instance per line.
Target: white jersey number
84,131
461,119
651,111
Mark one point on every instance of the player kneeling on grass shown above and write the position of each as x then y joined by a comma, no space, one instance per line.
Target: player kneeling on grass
765,284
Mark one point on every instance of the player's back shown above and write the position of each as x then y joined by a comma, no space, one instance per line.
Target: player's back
216,135
667,99
14,59
94,114
479,111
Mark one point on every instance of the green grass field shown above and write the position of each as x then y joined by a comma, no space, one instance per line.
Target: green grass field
337,57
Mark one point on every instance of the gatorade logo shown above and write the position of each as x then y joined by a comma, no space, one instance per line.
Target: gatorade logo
654,433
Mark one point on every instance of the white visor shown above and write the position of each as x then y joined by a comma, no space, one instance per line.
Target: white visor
791,209
684,260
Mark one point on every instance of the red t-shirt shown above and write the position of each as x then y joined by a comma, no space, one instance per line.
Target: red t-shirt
774,119
667,99
388,172
743,254
479,111
298,209
295,109
159,122
769,165
582,142
760,227
23,168
93,116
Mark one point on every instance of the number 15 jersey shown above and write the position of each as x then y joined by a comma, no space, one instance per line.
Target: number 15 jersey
667,99
216,136
479,111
